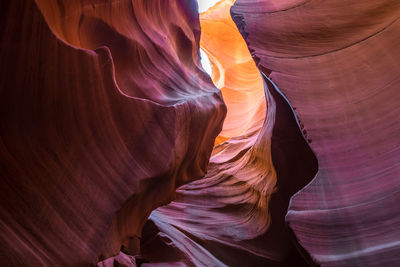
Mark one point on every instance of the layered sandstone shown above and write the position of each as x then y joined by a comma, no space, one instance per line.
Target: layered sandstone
105,111
234,216
337,62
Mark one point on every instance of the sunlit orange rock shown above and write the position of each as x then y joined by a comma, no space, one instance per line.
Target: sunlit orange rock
111,150
234,71
234,216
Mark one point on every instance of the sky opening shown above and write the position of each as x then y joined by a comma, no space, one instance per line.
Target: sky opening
205,62
206,4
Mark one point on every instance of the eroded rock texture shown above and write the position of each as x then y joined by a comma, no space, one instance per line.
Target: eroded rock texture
234,71
234,216
105,111
338,63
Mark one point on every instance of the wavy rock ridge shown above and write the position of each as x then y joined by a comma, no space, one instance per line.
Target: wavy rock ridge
234,71
234,216
337,62
114,149
105,111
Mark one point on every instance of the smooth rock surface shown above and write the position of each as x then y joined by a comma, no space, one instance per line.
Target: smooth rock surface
234,216
337,62
105,111
233,71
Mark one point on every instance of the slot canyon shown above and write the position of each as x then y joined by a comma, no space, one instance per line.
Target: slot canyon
200,133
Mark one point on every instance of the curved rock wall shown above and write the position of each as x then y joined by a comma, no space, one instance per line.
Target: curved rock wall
105,111
234,71
234,216
337,62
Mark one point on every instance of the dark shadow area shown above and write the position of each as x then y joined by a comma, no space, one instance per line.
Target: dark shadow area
295,165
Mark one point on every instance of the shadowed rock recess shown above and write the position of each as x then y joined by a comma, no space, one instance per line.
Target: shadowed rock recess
117,149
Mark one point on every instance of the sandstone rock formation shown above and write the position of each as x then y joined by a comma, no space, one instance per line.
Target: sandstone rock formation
234,70
115,149
234,216
105,111
338,63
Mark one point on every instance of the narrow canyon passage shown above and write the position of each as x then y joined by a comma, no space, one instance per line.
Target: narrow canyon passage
234,216
209,133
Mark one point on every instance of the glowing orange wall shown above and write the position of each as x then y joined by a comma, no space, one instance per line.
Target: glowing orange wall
234,71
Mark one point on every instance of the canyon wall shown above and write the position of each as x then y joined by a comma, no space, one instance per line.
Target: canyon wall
233,71
114,149
234,216
105,111
338,64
